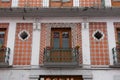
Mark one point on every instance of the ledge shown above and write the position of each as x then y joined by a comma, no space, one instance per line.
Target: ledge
115,66
60,12
4,65
61,65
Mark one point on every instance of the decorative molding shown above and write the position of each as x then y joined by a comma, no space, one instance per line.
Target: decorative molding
36,26
34,77
95,33
21,33
62,25
87,77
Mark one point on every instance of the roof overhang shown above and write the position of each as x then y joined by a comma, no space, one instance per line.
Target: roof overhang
60,12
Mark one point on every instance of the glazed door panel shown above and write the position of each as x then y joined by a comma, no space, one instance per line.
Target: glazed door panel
61,38
61,45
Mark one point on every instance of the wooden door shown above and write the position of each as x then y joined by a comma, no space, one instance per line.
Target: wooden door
61,45
61,38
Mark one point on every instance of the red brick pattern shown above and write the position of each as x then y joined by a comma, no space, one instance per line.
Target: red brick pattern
90,3
5,4
42,42
61,4
99,49
22,49
79,42
30,3
115,3
5,26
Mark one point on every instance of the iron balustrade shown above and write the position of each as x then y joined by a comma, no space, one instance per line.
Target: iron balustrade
63,57
4,56
116,55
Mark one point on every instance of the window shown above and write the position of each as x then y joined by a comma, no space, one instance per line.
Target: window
61,38
61,0
118,34
98,35
55,0
2,37
24,35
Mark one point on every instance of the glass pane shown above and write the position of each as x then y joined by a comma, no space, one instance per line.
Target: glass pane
2,38
65,40
56,39
118,36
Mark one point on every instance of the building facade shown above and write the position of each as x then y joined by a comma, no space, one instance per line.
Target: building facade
59,40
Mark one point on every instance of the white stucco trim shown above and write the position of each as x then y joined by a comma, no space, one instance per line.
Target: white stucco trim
11,39
45,3
75,3
14,3
107,3
35,46
85,44
111,39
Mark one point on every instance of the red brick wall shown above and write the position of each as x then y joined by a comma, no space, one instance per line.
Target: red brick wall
43,41
79,42
90,3
30,3
23,49
60,4
115,3
5,4
99,49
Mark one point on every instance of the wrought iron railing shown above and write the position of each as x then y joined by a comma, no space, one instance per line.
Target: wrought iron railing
116,55
61,56
4,56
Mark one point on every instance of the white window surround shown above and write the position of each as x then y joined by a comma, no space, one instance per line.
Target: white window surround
95,33
45,3
21,33
76,3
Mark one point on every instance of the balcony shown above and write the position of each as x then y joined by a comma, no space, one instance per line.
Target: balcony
61,57
116,56
4,57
